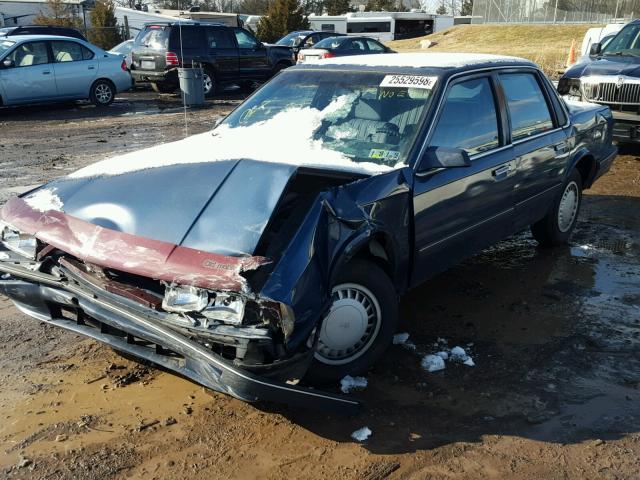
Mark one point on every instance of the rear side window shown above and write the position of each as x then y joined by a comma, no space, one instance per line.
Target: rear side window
218,38
527,105
359,45
468,119
191,37
70,52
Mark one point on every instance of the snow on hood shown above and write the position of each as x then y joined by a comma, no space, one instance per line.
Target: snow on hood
44,200
286,138
423,60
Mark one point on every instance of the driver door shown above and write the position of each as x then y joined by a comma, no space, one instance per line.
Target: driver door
31,78
252,56
459,211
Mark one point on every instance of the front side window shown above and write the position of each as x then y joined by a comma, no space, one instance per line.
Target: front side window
468,120
69,52
375,46
330,117
528,109
245,40
29,54
626,42
358,45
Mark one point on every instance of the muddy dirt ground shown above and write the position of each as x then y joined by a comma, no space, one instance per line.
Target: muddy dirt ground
554,334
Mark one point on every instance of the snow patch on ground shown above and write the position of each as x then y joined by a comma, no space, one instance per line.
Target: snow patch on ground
44,200
286,138
361,434
432,363
349,383
400,338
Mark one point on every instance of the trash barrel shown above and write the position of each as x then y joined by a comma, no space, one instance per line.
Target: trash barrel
191,86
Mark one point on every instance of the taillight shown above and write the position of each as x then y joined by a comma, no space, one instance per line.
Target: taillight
123,65
300,57
171,59
328,55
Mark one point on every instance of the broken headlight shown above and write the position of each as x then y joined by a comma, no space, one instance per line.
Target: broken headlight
570,87
18,242
184,298
226,308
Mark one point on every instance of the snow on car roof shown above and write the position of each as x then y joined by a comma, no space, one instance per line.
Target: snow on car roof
419,60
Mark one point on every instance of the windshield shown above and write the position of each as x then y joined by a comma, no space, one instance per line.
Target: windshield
5,45
291,40
626,42
331,42
361,119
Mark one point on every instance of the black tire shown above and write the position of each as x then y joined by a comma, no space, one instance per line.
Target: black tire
102,93
368,277
209,83
161,87
556,227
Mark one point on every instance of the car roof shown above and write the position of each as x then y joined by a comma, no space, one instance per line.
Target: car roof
428,60
24,38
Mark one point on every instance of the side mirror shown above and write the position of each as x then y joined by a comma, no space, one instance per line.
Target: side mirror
443,157
595,49
8,63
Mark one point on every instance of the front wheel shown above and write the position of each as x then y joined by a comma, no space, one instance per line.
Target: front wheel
102,93
360,324
556,227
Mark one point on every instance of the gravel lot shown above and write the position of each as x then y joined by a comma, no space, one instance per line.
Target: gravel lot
554,334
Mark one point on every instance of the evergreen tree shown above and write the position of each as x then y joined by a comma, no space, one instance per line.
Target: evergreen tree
283,16
337,7
105,32
442,10
384,6
61,15
467,7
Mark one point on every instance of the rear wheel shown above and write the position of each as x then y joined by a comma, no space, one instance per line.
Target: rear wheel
162,87
360,324
556,227
209,83
102,93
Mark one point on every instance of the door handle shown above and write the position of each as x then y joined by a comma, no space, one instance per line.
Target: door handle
46,72
561,148
91,67
501,173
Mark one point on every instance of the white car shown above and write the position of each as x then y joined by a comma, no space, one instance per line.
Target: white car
44,68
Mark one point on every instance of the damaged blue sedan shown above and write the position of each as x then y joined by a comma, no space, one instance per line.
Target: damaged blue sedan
275,247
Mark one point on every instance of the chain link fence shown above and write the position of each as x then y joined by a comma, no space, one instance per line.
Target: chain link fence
554,11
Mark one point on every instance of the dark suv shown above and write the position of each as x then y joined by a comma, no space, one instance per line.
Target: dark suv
42,30
228,55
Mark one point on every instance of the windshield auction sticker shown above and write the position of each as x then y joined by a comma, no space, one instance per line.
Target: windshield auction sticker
409,81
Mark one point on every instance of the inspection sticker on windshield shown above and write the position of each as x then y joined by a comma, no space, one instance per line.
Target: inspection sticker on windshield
384,154
409,81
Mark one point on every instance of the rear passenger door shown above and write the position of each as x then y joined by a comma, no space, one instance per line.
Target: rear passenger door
253,59
75,68
540,144
458,211
222,52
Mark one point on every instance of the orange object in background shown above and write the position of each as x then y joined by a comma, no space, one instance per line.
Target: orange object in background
571,58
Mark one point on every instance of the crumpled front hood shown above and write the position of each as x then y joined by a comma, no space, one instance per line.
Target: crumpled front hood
608,65
217,207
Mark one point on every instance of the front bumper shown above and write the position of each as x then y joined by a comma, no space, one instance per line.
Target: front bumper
84,309
626,126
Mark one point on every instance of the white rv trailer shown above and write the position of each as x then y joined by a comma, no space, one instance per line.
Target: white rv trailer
382,26
135,19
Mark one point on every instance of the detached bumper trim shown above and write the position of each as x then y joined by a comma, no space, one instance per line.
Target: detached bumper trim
29,288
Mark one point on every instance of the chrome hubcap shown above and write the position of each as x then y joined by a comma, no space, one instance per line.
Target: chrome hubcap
350,327
103,93
207,82
568,207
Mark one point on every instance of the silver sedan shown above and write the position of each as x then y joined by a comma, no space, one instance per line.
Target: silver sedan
43,68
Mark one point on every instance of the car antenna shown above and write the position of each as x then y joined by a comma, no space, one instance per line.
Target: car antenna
184,98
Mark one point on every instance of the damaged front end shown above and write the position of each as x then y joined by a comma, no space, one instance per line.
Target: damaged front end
208,327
